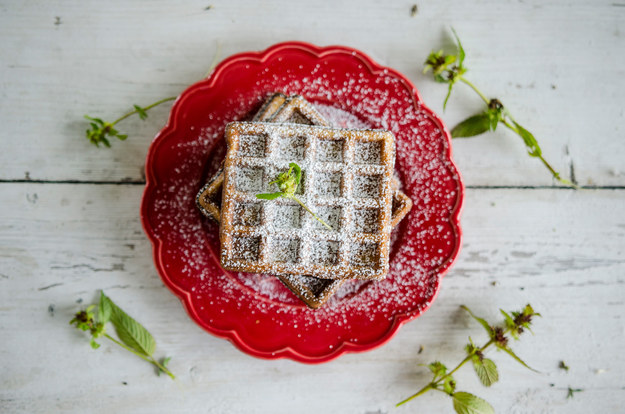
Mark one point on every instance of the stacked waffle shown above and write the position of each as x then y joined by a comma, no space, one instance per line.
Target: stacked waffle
346,182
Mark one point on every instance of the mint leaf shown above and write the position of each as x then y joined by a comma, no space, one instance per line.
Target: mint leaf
97,120
472,126
533,148
287,182
465,403
482,321
131,332
519,360
486,370
460,48
105,309
164,363
438,369
451,85
298,172
141,112
269,196
449,385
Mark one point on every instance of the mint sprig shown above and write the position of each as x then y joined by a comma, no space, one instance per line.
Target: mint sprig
514,324
450,69
287,183
101,131
132,335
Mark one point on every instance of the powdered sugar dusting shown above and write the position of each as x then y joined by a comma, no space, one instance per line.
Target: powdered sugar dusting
350,183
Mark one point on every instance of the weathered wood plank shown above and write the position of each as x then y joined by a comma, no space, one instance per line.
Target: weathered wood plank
554,63
563,251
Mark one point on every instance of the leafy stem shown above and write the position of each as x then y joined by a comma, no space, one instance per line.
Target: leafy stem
513,325
142,111
132,335
101,131
466,81
288,183
435,384
313,214
149,359
450,69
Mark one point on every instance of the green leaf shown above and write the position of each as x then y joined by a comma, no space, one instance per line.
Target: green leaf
94,344
533,148
298,172
105,309
164,363
440,78
449,385
482,321
460,48
269,196
472,126
465,403
486,371
97,120
471,348
519,360
451,85
507,319
438,369
141,112
131,332
122,137
528,310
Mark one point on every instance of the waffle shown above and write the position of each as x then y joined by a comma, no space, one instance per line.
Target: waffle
349,173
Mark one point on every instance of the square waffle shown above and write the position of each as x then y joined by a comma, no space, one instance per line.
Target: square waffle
347,178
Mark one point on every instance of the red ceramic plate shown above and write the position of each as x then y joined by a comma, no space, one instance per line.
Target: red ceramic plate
259,315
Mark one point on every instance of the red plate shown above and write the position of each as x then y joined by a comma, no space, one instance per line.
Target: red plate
259,315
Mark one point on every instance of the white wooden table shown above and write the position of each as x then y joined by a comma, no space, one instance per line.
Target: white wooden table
69,212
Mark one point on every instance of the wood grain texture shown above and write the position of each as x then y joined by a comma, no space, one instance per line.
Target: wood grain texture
561,250
556,64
